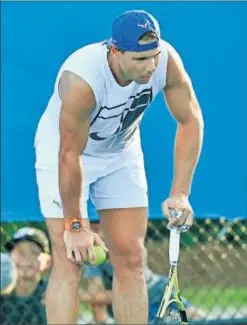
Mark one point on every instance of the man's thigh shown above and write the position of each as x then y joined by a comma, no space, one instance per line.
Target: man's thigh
121,199
124,185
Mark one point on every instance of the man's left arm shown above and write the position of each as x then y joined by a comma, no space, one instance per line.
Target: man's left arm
184,107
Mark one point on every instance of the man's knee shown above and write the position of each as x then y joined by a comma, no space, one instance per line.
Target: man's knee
129,257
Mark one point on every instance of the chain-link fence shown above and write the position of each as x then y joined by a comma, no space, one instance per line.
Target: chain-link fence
212,265
212,269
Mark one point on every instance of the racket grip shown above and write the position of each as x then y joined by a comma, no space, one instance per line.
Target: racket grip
174,245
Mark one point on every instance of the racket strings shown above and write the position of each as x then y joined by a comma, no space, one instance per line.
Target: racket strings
171,317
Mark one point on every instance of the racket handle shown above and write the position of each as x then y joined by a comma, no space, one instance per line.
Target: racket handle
174,243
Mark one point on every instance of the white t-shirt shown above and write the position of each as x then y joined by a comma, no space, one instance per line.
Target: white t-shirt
119,110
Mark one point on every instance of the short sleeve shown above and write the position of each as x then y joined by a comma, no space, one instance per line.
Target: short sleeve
86,63
160,74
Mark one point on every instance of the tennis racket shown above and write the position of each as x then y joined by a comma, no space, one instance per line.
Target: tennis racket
166,315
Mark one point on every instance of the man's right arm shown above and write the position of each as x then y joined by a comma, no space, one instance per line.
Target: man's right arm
78,101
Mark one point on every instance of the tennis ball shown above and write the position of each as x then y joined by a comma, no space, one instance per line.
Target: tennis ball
100,256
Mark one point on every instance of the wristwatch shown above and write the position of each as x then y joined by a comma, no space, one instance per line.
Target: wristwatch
75,225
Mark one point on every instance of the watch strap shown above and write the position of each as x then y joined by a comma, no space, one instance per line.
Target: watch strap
75,225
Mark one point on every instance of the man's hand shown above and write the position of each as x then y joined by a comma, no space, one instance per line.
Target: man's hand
80,245
178,211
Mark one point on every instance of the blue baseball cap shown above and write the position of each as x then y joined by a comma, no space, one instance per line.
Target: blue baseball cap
128,28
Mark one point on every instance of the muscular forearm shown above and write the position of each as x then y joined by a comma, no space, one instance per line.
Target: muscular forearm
188,144
70,183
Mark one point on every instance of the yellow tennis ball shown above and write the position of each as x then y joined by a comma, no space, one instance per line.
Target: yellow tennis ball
100,256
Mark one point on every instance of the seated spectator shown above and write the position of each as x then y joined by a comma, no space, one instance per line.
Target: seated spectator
29,250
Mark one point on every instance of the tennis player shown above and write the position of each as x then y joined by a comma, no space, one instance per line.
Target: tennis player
88,143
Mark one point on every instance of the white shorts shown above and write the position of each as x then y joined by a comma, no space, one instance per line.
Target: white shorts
110,182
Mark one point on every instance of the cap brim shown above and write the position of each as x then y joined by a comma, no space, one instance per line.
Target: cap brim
10,244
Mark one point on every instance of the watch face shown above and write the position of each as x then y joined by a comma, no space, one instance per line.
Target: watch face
76,225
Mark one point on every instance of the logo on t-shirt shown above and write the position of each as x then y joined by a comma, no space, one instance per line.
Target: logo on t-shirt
122,117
